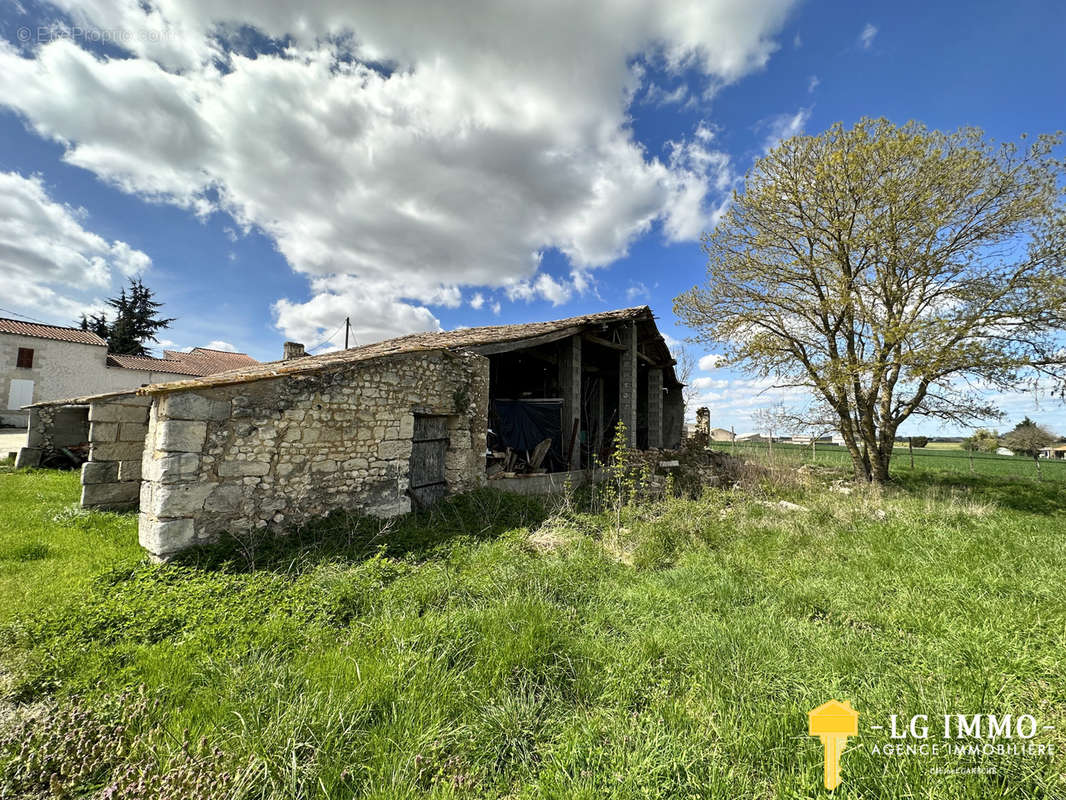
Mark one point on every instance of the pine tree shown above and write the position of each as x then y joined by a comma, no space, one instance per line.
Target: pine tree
136,321
95,323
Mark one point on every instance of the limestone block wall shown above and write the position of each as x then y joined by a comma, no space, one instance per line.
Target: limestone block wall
111,478
276,453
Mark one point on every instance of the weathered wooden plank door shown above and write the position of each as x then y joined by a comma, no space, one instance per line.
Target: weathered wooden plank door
428,447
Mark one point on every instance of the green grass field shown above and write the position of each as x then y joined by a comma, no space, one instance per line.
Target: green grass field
497,648
937,456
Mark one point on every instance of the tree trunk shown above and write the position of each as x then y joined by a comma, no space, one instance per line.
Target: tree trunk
860,462
860,465
880,467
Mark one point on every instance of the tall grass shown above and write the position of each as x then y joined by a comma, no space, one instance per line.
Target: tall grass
501,647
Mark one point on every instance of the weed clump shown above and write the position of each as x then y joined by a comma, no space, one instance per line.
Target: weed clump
108,747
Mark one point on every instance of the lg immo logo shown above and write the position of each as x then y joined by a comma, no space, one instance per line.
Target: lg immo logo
948,736
833,723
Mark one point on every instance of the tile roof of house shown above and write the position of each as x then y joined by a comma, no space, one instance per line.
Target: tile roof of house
42,331
462,338
211,361
199,361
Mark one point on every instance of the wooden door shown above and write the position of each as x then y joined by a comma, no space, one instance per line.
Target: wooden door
428,447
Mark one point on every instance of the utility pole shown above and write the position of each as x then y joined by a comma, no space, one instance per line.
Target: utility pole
347,327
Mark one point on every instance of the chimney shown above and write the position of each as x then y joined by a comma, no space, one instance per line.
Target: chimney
293,350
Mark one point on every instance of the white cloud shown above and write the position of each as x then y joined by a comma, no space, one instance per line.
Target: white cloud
544,286
474,150
657,95
710,383
710,361
218,344
784,126
812,83
377,312
736,399
477,301
49,262
698,173
866,38
637,290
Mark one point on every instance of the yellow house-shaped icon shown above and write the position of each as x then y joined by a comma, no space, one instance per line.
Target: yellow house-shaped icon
833,718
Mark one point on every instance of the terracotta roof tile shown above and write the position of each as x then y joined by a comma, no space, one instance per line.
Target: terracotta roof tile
200,361
148,363
42,331
212,361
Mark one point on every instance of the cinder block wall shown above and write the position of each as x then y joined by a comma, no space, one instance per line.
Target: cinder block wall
275,453
673,417
111,478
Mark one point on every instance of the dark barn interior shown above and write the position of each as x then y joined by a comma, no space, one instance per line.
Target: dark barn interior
573,385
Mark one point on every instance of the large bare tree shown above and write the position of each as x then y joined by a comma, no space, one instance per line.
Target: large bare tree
894,271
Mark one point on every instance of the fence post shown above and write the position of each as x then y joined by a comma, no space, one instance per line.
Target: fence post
910,449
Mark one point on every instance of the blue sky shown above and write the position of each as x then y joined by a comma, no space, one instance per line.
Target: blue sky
268,174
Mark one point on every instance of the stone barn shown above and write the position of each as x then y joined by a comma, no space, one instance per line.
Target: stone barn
383,428
369,429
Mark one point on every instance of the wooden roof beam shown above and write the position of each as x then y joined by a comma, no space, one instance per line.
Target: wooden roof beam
591,337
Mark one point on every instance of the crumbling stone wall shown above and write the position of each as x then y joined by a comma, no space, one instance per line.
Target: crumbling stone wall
111,478
275,453
49,429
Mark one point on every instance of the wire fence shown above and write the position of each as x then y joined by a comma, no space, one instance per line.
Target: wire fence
957,460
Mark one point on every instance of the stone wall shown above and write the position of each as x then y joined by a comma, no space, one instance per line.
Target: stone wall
53,427
111,478
275,453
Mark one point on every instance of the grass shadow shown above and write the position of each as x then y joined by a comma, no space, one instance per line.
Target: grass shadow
342,536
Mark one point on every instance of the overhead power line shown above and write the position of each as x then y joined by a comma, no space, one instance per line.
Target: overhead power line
24,316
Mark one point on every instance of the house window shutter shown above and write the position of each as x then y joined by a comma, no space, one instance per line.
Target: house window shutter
25,358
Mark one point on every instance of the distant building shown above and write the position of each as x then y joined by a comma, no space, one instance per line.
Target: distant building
721,435
1057,451
751,438
49,362
806,439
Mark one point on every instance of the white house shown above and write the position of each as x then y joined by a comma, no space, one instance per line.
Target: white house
49,362
1054,451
